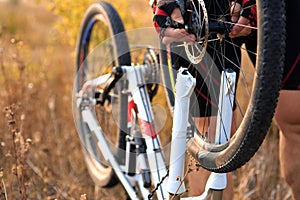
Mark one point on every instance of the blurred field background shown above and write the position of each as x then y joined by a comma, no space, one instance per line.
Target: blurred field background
40,152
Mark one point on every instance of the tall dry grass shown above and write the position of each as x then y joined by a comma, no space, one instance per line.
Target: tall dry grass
40,153
36,84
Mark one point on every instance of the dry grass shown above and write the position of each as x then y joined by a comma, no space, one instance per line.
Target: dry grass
36,84
40,154
260,178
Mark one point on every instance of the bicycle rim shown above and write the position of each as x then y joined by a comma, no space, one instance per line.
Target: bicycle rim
101,45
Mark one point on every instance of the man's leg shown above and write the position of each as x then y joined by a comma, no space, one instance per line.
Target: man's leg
287,117
197,179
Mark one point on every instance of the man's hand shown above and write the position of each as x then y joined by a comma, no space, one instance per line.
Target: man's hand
162,24
242,26
244,16
177,35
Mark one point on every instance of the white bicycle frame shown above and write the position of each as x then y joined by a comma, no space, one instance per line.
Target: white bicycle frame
184,87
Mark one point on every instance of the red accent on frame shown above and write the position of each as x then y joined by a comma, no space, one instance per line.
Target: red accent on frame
131,105
148,128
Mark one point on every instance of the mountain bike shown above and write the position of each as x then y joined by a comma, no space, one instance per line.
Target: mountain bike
114,98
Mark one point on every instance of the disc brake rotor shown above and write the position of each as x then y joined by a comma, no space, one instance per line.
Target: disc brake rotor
198,24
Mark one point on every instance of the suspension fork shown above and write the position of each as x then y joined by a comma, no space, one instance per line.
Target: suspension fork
217,182
184,87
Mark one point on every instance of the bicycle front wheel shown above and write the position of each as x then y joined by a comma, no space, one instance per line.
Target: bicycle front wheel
101,45
257,84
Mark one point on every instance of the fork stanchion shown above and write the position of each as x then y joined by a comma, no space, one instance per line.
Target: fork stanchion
185,84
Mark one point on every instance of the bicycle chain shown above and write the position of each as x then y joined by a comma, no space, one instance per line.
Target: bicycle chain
158,185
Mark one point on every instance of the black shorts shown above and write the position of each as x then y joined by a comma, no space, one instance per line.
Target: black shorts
204,100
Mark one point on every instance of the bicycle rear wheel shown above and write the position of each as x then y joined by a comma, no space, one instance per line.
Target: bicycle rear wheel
101,45
258,84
